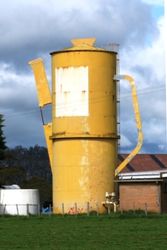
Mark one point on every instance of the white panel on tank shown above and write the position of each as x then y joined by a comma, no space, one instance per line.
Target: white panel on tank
72,91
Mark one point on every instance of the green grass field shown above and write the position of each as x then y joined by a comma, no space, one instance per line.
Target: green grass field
82,232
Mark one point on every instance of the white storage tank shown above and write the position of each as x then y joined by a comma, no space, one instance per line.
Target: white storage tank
19,201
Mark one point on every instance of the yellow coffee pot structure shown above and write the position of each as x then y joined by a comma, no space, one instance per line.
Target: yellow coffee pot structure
82,138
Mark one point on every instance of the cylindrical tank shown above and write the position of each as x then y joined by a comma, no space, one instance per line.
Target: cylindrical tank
84,127
19,201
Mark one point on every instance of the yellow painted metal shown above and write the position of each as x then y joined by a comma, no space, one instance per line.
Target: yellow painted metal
84,146
48,133
43,91
83,42
44,98
83,171
138,124
82,140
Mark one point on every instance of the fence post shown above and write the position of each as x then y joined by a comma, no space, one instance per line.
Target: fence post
50,210
17,209
63,209
133,207
97,208
27,209
4,209
38,209
75,205
1,209
146,209
88,209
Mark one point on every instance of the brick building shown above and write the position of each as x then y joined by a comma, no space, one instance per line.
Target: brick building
143,183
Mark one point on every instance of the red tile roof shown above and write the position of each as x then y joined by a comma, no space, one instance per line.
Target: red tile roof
145,162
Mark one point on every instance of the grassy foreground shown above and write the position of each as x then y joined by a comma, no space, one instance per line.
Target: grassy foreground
82,232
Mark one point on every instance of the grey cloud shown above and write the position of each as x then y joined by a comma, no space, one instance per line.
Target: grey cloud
33,29
147,148
28,30
149,76
24,129
152,109
18,92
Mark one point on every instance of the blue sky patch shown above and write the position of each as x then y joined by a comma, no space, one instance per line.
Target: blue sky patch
157,11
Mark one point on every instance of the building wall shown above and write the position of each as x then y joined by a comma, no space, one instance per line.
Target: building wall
135,196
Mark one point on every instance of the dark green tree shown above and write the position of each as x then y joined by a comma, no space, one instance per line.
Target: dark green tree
2,138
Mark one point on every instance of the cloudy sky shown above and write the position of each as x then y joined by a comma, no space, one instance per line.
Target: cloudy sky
31,29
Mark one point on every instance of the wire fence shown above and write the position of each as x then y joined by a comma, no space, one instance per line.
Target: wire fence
88,209
20,209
